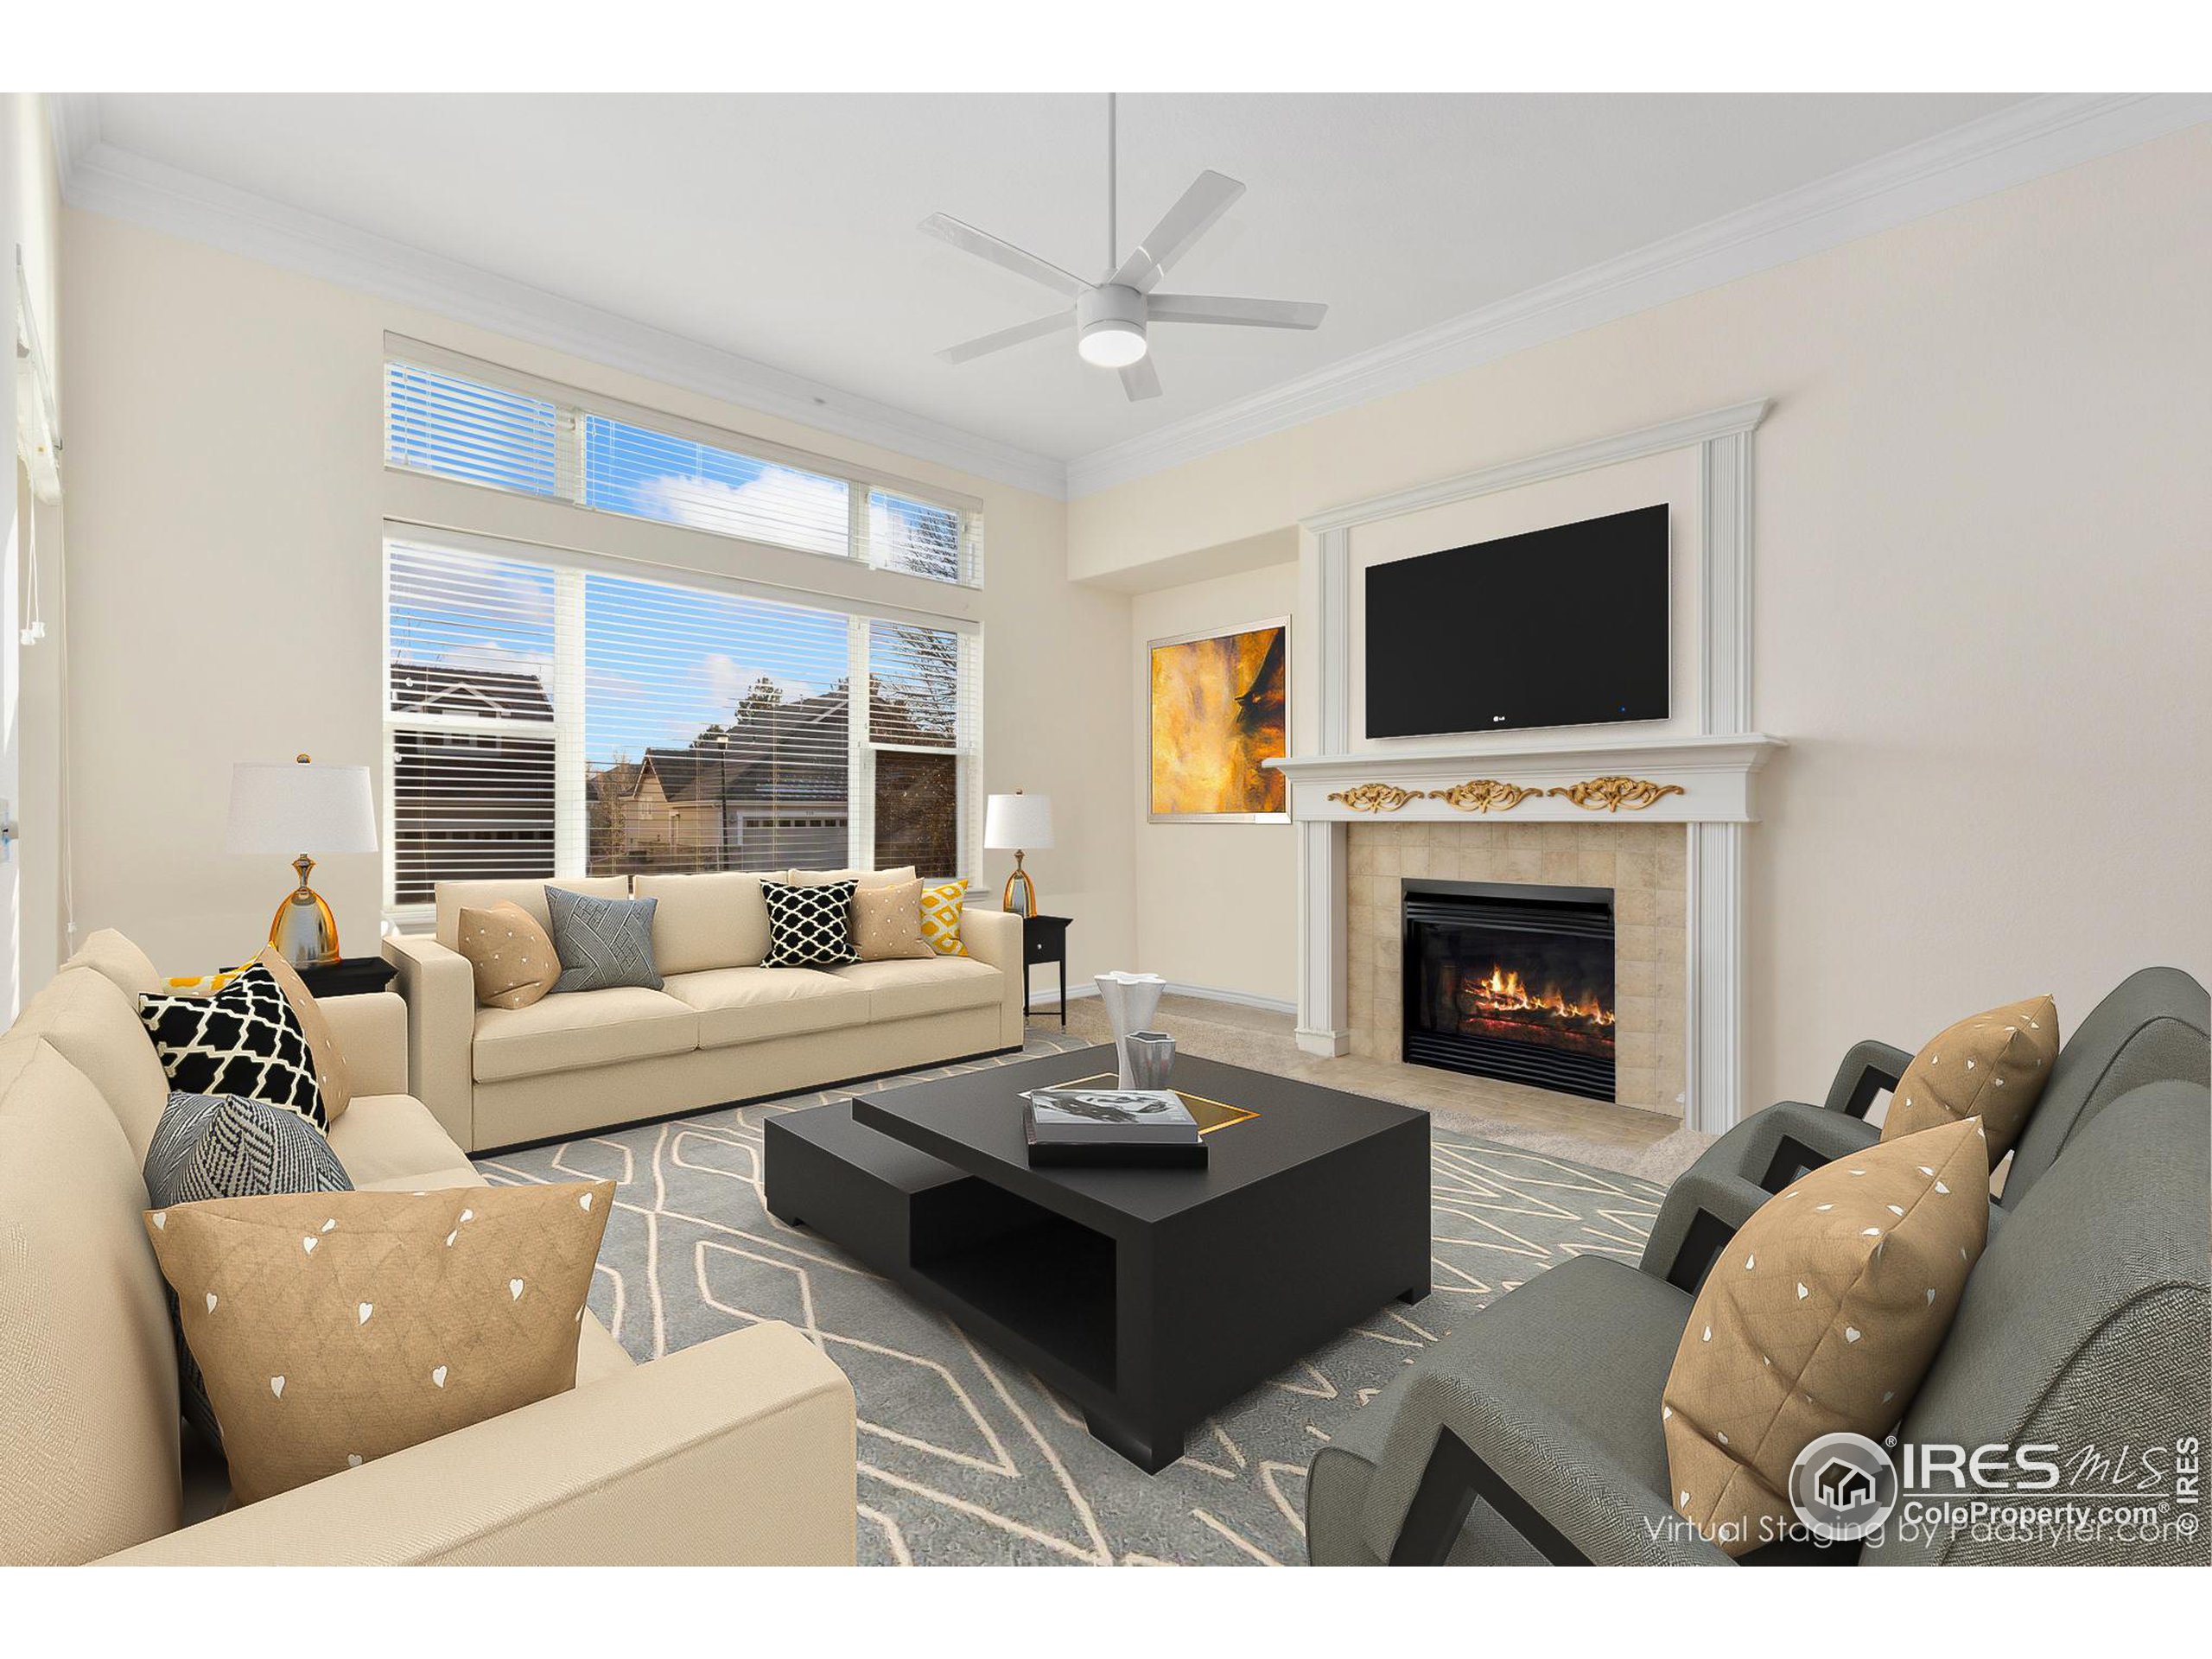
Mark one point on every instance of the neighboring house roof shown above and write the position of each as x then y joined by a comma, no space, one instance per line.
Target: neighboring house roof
421,688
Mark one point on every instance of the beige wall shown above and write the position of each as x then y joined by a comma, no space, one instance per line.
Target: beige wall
226,499
1984,563
1216,904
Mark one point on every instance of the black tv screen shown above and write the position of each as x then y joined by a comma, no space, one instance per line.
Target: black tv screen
1565,626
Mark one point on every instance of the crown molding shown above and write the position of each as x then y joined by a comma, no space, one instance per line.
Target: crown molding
97,177
2038,137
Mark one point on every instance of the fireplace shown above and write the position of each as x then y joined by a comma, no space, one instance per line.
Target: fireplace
1511,981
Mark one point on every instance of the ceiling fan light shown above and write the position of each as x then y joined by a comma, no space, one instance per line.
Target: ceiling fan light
1111,342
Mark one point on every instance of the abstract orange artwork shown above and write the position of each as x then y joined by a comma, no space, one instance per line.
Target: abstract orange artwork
1219,708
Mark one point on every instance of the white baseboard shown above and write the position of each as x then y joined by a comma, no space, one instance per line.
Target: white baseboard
1175,987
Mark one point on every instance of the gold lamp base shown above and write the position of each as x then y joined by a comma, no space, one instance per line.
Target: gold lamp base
303,932
1019,898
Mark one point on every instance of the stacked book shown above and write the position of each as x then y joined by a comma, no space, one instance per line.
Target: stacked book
1147,1128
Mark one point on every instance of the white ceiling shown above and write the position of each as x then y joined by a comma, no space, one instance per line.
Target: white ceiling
783,228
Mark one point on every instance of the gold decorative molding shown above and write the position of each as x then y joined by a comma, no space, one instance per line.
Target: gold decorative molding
1376,797
1483,795
1610,794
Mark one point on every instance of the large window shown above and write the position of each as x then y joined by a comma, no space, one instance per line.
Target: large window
547,440
555,718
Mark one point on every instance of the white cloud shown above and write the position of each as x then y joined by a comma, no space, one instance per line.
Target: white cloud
787,508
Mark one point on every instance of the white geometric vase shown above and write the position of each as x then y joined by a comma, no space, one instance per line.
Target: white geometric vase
1130,1000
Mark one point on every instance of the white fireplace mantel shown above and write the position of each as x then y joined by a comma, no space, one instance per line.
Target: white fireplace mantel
1693,780
1714,766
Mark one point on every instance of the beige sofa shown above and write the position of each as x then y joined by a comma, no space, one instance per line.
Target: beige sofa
740,1450
724,1029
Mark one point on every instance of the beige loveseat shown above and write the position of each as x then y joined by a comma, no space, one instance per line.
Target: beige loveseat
740,1450
724,1029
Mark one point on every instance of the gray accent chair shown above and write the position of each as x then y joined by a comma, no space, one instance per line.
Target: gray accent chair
1532,1433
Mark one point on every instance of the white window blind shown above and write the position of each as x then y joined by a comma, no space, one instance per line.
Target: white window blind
471,425
554,718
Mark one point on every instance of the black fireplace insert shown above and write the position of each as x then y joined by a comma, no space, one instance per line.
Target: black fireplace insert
1513,982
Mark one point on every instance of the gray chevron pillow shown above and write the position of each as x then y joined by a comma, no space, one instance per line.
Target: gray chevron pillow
603,943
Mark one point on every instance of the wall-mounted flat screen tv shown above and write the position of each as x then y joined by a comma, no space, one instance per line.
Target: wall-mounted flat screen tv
1565,626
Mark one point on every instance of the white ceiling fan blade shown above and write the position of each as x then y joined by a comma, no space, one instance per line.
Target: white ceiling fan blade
1186,221
1140,380
984,245
1006,337
1245,313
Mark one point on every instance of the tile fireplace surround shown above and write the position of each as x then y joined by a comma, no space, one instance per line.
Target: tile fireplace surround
1645,865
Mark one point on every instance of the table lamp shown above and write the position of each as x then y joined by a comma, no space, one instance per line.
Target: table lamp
280,807
1013,824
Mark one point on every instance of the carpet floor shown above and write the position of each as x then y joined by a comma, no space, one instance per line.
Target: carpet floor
965,1457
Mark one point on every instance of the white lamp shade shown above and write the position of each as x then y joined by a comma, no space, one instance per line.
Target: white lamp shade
1018,823
291,807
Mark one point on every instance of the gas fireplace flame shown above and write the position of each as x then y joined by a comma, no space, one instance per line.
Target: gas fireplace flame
1502,992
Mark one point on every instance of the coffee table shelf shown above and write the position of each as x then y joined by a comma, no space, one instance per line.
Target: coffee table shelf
1050,1287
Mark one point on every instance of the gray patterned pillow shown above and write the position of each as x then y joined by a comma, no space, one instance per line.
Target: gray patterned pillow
603,943
224,1146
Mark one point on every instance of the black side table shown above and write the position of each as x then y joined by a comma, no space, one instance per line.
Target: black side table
1044,938
348,976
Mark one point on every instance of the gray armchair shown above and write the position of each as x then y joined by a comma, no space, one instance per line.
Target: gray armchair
1532,1433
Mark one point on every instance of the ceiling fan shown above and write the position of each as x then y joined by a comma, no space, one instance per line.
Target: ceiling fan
1111,315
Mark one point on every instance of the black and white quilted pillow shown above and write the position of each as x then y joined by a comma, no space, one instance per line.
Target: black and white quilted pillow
244,1040
603,943
809,927
221,1146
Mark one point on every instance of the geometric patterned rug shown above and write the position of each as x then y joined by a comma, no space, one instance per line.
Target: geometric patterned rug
965,1458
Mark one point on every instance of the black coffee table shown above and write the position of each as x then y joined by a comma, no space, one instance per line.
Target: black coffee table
1149,1297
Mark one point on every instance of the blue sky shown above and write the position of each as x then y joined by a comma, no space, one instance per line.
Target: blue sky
662,662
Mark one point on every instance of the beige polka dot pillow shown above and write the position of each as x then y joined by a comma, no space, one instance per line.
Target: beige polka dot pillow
332,1328
1992,1066
1821,1316
512,953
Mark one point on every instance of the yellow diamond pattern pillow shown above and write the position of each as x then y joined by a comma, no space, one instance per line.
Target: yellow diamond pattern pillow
1821,1316
941,918
336,1327
1992,1066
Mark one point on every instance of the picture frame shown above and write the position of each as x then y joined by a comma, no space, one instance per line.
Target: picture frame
1216,704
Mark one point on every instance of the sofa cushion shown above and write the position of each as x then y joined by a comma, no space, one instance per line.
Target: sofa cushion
392,1138
941,911
752,1005
223,1147
111,954
1821,1317
530,895
334,1328
332,1075
93,1027
603,943
904,991
809,926
904,874
599,1356
577,1029
245,1039
88,1391
1992,1066
717,920
511,960
888,924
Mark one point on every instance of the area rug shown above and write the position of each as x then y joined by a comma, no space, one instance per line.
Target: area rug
965,1458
